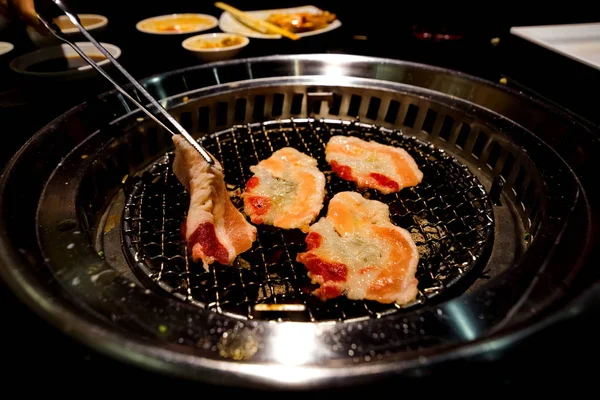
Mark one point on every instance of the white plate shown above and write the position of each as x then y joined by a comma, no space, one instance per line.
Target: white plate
227,23
21,64
580,42
5,47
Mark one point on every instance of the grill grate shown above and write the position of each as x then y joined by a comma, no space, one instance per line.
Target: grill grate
449,216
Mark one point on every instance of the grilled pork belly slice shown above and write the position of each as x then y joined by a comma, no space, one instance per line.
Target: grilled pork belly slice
372,165
286,191
358,252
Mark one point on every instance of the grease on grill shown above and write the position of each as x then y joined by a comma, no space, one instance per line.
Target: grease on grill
449,216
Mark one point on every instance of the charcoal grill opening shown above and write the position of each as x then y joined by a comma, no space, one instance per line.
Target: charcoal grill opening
449,216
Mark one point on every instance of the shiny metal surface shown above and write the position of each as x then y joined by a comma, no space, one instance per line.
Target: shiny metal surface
43,254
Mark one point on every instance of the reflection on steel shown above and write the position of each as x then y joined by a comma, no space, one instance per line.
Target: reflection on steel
461,319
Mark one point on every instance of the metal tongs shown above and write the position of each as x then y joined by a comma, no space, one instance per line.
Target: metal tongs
56,31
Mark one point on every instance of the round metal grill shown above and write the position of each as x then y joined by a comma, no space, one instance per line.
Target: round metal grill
449,216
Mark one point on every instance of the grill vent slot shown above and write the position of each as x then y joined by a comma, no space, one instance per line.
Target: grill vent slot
493,154
296,108
507,168
373,110
446,129
392,112
316,107
221,113
354,105
482,139
411,115
336,104
463,135
277,109
240,109
429,121
258,112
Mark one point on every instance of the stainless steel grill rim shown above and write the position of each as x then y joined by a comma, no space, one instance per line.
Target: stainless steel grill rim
34,283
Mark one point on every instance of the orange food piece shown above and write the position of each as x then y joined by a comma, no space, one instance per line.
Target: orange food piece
358,252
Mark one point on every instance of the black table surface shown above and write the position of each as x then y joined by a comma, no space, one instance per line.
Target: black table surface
32,351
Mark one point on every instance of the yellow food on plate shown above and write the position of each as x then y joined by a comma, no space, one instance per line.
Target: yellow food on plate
228,41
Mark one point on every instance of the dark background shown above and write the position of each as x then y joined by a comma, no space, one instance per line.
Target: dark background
35,356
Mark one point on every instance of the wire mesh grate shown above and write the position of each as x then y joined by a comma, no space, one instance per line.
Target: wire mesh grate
449,216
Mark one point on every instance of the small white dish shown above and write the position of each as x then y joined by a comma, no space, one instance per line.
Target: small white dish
228,23
24,64
5,48
221,51
177,24
91,22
